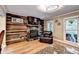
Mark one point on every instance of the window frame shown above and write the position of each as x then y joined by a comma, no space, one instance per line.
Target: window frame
52,22
64,29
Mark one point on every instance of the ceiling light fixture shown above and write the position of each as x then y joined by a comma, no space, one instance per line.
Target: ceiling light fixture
49,8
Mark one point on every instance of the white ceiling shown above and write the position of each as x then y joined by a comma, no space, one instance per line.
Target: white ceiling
32,10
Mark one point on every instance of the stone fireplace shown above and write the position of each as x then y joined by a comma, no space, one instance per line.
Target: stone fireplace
32,32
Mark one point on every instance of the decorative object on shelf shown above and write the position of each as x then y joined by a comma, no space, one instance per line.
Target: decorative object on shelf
35,20
25,21
17,20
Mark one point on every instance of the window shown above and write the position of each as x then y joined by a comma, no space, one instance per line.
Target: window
71,29
49,25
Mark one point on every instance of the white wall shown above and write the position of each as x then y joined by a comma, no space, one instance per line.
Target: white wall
3,26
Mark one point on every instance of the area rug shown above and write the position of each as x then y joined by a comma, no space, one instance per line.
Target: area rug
47,50
56,49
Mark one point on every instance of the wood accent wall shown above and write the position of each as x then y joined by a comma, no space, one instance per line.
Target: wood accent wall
15,31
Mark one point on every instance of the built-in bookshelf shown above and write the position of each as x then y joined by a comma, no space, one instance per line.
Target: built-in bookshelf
15,28
35,25
35,22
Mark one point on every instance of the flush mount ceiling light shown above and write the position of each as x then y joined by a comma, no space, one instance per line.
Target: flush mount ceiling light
49,8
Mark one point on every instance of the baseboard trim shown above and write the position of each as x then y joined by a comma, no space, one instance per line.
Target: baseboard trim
67,43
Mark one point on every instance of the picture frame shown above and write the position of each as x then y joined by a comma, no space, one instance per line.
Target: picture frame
17,20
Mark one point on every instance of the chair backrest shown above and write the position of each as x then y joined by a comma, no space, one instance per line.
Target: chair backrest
1,37
47,33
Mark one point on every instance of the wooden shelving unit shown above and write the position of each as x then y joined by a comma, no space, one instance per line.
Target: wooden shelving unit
38,23
36,26
15,31
12,31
